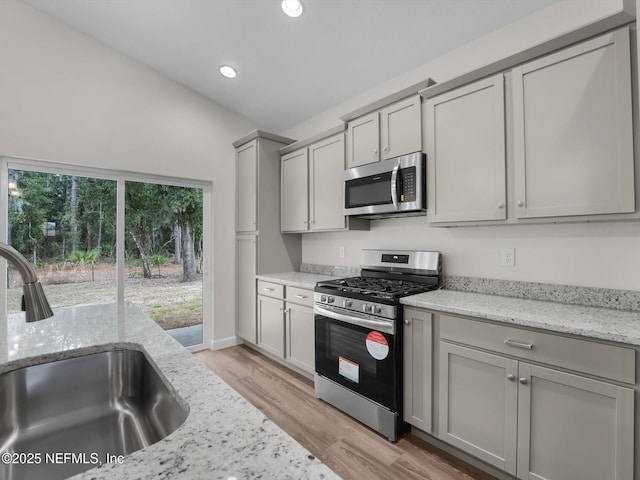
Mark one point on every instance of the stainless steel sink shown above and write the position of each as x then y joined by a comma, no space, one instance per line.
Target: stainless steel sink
71,414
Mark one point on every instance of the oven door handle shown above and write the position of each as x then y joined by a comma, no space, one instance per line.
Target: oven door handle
356,319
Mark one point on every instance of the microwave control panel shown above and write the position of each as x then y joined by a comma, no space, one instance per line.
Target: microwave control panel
408,185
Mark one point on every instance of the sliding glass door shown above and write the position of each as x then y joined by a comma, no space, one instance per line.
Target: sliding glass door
97,236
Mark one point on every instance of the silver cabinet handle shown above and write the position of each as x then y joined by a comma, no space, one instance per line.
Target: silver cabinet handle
511,377
407,322
500,205
520,204
515,343
386,149
523,380
301,296
267,289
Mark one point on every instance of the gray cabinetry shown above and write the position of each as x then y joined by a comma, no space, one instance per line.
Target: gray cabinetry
247,193
286,327
401,128
534,421
246,287
390,132
260,245
573,130
312,188
300,329
418,378
478,404
270,319
295,191
466,153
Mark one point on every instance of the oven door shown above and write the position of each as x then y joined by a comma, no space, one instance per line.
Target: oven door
361,357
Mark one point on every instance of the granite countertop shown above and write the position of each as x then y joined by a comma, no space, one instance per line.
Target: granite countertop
224,436
295,279
599,323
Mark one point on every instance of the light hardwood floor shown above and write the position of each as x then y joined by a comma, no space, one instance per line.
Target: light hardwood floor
350,449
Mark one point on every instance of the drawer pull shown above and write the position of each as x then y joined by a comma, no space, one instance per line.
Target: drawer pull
514,343
523,381
267,289
301,296
511,377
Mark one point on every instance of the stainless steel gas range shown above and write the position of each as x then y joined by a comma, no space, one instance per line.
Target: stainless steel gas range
358,335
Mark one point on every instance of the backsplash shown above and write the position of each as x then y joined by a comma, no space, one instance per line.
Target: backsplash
570,294
334,270
589,296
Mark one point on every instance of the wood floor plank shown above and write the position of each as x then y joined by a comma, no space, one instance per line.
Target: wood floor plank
349,448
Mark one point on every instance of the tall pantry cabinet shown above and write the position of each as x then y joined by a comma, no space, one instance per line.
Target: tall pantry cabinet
260,246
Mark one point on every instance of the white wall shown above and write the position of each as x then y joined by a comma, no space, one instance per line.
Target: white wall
66,98
596,254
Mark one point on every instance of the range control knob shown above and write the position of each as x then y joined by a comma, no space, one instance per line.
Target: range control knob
347,303
323,298
377,309
367,308
330,299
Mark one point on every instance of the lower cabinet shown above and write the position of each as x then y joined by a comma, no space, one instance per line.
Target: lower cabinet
532,421
286,324
300,334
271,325
418,378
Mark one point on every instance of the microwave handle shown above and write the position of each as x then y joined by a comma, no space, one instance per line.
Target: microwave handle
394,186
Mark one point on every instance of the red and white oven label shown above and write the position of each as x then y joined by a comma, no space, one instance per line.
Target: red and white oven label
377,345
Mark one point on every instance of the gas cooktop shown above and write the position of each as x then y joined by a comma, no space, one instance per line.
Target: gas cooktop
375,288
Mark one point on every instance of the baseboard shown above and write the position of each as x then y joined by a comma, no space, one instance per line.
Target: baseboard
225,342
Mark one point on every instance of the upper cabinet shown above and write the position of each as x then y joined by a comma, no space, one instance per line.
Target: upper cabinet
550,139
247,191
573,131
295,191
312,188
466,150
363,140
390,132
401,128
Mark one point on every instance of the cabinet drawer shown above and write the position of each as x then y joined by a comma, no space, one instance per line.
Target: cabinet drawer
299,296
592,358
269,289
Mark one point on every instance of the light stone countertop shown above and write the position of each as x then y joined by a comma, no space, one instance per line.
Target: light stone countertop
224,435
599,323
295,279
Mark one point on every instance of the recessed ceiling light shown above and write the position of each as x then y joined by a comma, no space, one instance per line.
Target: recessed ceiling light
228,71
293,8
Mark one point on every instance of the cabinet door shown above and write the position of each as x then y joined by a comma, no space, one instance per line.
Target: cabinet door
466,153
271,325
573,134
418,361
246,287
247,187
295,192
478,404
326,184
573,427
363,140
300,337
401,128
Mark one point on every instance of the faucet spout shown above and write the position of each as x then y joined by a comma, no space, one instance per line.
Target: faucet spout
34,302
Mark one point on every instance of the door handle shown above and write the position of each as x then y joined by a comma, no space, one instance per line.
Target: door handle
394,186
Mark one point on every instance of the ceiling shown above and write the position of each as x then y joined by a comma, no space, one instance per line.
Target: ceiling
289,69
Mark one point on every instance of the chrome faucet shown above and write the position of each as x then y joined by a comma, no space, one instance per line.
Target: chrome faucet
34,302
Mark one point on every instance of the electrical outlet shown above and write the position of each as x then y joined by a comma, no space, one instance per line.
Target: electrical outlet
508,257
341,252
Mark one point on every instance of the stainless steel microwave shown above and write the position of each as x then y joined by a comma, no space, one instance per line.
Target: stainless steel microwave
394,187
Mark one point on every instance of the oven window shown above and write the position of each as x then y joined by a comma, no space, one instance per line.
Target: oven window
372,190
342,356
